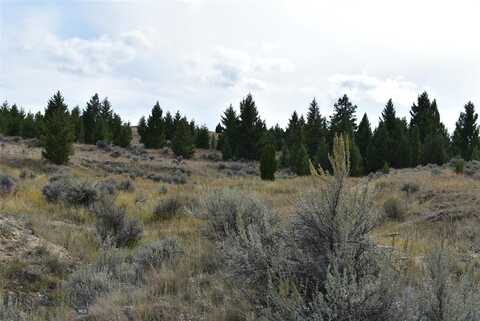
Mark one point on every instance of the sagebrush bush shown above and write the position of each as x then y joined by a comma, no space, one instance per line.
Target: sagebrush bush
394,209
113,226
169,208
70,191
230,212
7,184
107,187
156,254
410,188
126,186
85,285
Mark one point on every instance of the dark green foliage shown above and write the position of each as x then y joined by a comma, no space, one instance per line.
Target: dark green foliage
57,134
435,150
356,160
343,120
278,135
90,117
386,168
315,129
285,157
169,126
121,133
268,163
154,136
227,153
424,116
459,166
251,130
466,135
321,159
76,121
202,137
182,143
363,137
301,162
142,129
378,148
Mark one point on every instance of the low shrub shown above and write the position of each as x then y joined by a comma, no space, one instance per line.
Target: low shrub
168,208
410,188
7,184
113,226
459,165
126,186
229,212
394,209
106,187
156,254
85,286
70,191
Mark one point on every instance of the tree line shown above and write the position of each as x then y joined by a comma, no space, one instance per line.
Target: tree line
303,146
306,143
58,127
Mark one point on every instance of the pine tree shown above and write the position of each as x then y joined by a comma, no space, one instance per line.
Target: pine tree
302,162
343,121
14,123
251,131
466,135
89,118
415,147
169,126
76,121
315,129
434,150
4,115
322,157
142,130
363,137
285,156
28,126
379,148
183,143
202,137
278,135
356,161
155,128
268,162
103,122
227,153
57,133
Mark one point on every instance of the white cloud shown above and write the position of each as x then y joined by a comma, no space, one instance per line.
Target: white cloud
90,56
368,88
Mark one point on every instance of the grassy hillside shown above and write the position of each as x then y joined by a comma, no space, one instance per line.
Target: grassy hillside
46,245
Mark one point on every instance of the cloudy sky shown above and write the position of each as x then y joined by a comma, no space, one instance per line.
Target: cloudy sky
199,56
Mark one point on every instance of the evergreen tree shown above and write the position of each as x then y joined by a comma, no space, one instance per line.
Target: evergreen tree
356,161
425,116
202,138
434,150
302,162
268,162
285,156
28,126
378,148
227,153
124,137
415,147
322,158
89,118
183,143
363,137
4,115
14,123
230,130
169,126
76,121
142,130
155,130
315,129
57,133
251,131
343,120
278,135
466,135
103,122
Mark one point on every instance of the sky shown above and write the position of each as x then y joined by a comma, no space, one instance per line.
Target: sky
200,56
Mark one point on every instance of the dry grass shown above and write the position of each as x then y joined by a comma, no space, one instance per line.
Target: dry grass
444,205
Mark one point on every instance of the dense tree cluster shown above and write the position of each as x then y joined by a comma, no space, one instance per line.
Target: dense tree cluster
395,143
183,135
304,145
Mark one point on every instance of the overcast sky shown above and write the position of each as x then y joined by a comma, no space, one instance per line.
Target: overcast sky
199,56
